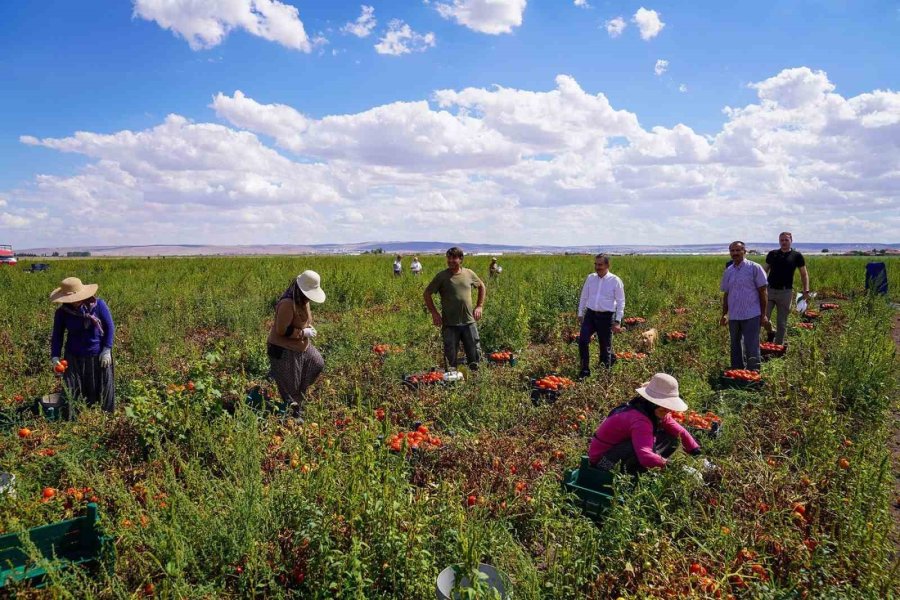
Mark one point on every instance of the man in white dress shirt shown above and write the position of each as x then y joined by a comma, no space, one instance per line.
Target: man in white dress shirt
600,311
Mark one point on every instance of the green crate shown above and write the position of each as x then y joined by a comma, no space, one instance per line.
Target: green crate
259,399
74,542
592,488
727,383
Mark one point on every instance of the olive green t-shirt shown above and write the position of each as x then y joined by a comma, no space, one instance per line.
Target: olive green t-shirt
456,295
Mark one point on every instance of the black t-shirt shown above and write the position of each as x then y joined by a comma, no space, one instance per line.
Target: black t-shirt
782,266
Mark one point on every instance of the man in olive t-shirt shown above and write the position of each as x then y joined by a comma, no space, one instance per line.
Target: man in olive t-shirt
457,317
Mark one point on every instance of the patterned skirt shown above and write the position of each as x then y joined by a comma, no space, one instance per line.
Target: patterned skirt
294,372
87,380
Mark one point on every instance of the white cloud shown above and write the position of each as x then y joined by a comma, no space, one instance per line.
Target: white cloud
682,88
615,27
485,16
800,157
648,23
660,67
206,23
401,39
582,3
364,23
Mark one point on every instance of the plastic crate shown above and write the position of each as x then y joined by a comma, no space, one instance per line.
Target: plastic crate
714,431
259,399
727,383
592,488
74,542
512,361
539,396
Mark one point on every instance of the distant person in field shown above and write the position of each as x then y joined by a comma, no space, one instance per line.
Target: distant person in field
415,266
641,434
457,318
295,362
600,311
87,326
398,266
780,266
744,307
494,269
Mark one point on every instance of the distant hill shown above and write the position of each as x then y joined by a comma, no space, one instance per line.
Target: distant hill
438,248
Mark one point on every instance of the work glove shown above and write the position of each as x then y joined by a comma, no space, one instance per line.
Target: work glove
709,467
54,361
310,332
106,358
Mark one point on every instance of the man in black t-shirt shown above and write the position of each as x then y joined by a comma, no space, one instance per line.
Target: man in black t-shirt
780,266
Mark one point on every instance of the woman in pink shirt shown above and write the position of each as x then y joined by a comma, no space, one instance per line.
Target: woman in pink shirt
642,434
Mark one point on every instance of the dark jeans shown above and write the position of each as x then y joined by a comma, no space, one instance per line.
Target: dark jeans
664,444
744,343
452,334
600,323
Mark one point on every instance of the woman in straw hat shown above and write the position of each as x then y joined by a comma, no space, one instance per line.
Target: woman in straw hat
642,434
85,322
295,362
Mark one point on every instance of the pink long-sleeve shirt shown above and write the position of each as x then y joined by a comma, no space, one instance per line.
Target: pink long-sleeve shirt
637,426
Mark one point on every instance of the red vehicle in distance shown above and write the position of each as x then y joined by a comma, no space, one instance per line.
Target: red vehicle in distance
7,256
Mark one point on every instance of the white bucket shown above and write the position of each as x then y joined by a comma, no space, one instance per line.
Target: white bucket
447,579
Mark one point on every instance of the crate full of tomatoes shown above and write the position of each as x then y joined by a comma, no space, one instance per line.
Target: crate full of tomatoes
770,350
811,315
633,321
630,356
741,379
419,439
547,388
502,357
429,378
829,306
709,423
674,336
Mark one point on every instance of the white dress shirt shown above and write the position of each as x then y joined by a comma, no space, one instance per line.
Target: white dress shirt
603,294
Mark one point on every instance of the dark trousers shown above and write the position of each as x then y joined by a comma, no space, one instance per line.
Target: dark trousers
664,444
86,379
600,323
744,343
452,334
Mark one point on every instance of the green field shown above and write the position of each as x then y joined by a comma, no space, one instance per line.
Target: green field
203,504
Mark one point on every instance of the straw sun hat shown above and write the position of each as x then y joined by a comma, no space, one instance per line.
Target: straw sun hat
309,283
72,290
662,390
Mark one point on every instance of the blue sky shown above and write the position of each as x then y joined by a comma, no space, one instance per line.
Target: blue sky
106,67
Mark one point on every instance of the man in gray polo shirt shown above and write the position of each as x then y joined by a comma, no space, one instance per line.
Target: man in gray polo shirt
744,307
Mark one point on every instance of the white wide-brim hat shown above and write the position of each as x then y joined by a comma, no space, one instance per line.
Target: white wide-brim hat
662,390
72,290
309,283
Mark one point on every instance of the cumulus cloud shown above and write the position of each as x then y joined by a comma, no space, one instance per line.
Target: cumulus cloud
485,16
660,67
400,39
582,3
682,88
546,162
206,23
364,23
648,22
615,27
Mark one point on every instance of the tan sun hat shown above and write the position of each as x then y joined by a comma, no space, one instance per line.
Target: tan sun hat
309,283
662,390
72,290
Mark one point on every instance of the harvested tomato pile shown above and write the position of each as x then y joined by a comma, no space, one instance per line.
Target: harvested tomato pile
634,321
429,377
676,336
743,375
61,366
553,383
772,348
811,314
630,355
500,356
829,306
695,419
806,326
382,349
416,439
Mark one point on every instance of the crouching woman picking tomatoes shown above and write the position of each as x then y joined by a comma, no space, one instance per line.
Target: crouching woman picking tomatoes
295,362
87,326
642,434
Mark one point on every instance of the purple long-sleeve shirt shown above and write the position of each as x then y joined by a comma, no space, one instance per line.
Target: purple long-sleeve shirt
81,340
637,426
